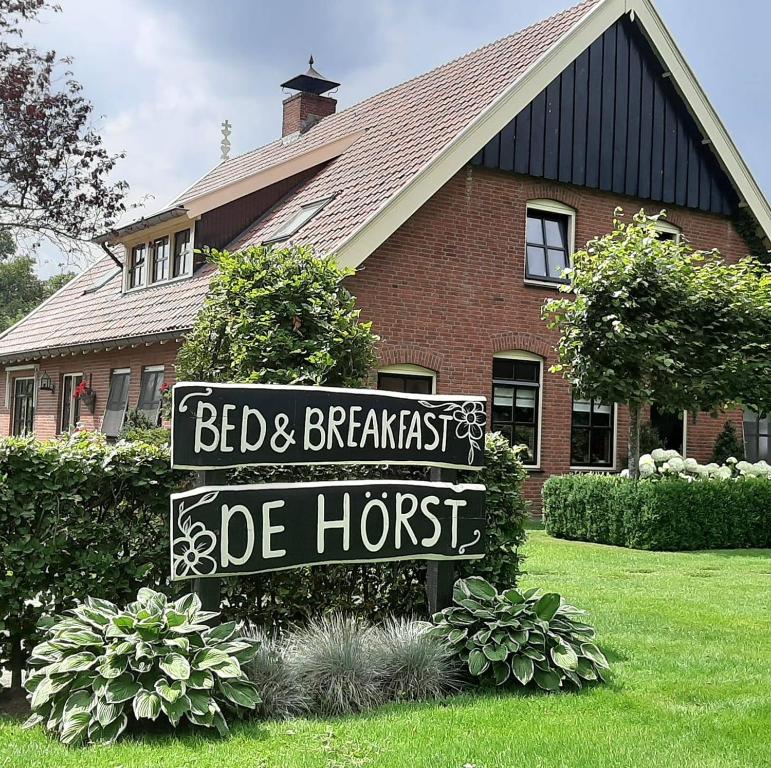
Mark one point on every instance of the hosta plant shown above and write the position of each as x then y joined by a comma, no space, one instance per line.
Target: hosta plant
101,666
519,637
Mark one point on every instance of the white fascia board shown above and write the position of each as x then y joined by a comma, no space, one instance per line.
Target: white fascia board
197,206
454,155
703,112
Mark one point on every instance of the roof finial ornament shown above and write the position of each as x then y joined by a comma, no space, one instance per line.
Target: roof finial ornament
310,61
225,143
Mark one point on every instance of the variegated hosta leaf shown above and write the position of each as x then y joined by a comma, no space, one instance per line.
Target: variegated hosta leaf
75,727
107,734
147,704
121,689
105,713
199,701
112,666
170,691
175,709
200,678
221,632
240,692
175,666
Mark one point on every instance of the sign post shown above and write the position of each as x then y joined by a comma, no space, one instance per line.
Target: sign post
219,530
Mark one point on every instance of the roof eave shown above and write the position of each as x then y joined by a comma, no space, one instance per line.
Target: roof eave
116,235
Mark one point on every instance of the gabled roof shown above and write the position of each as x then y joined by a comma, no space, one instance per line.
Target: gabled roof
380,161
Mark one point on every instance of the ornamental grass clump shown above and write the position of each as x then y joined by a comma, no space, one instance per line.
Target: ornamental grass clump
413,664
101,666
332,658
282,694
522,638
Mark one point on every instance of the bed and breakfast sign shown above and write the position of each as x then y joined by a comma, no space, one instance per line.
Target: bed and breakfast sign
221,530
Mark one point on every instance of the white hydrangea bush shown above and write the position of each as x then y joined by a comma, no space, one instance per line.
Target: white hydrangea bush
662,463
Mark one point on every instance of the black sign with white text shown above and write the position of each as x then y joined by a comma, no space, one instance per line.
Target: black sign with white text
218,426
229,530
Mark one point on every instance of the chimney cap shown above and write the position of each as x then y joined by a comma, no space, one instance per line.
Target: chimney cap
311,81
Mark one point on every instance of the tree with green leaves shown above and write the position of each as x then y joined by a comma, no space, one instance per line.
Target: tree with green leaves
278,315
21,290
654,321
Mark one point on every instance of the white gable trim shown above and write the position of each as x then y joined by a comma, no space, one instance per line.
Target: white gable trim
453,156
196,206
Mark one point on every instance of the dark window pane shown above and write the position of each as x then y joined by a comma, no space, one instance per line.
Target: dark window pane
402,382
525,436
503,368
536,261
667,236
557,263
137,267
525,411
117,400
534,229
182,253
23,407
556,232
525,371
504,429
579,447
582,413
601,447
601,414
160,261
150,397
503,403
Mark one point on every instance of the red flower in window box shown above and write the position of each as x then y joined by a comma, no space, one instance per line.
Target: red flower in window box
165,388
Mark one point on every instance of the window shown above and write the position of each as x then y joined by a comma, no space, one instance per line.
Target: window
160,254
183,257
23,422
298,220
117,400
516,401
70,413
549,241
591,434
150,396
411,379
136,275
668,231
756,434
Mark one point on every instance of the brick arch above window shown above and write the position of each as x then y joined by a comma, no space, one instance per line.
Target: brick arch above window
401,354
526,342
563,195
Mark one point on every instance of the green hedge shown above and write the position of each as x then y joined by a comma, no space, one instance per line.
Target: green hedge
665,514
80,516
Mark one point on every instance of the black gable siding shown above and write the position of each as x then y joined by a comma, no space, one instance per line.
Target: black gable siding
613,121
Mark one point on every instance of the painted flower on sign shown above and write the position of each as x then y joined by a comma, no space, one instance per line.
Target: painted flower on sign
470,421
192,550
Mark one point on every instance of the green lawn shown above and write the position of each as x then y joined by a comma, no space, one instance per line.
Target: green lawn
689,639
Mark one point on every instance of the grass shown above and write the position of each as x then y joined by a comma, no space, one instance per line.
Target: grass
689,638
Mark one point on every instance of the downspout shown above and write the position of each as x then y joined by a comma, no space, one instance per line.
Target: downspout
111,255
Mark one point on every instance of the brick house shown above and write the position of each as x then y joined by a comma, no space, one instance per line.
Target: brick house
459,197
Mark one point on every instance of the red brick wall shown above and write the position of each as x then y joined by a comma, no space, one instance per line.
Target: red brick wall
446,291
97,366
301,106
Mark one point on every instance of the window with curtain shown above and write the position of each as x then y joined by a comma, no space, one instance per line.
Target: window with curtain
150,396
756,436
591,434
117,401
516,400
70,413
23,417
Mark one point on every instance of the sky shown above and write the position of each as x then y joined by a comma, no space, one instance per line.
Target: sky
164,74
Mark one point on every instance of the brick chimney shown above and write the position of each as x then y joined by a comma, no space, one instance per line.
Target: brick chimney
304,109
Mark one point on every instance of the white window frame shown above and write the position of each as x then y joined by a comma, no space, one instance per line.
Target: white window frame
550,206
12,413
72,376
665,226
531,357
147,240
588,468
408,369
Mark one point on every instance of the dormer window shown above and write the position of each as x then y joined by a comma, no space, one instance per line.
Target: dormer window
297,221
136,273
160,259
183,256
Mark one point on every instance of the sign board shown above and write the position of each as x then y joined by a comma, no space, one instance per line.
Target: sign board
220,426
229,530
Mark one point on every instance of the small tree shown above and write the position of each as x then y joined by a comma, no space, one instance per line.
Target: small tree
278,316
727,444
653,321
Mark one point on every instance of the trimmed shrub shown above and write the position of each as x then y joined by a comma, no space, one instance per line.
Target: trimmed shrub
101,665
413,663
522,638
727,445
78,516
281,692
332,657
670,513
